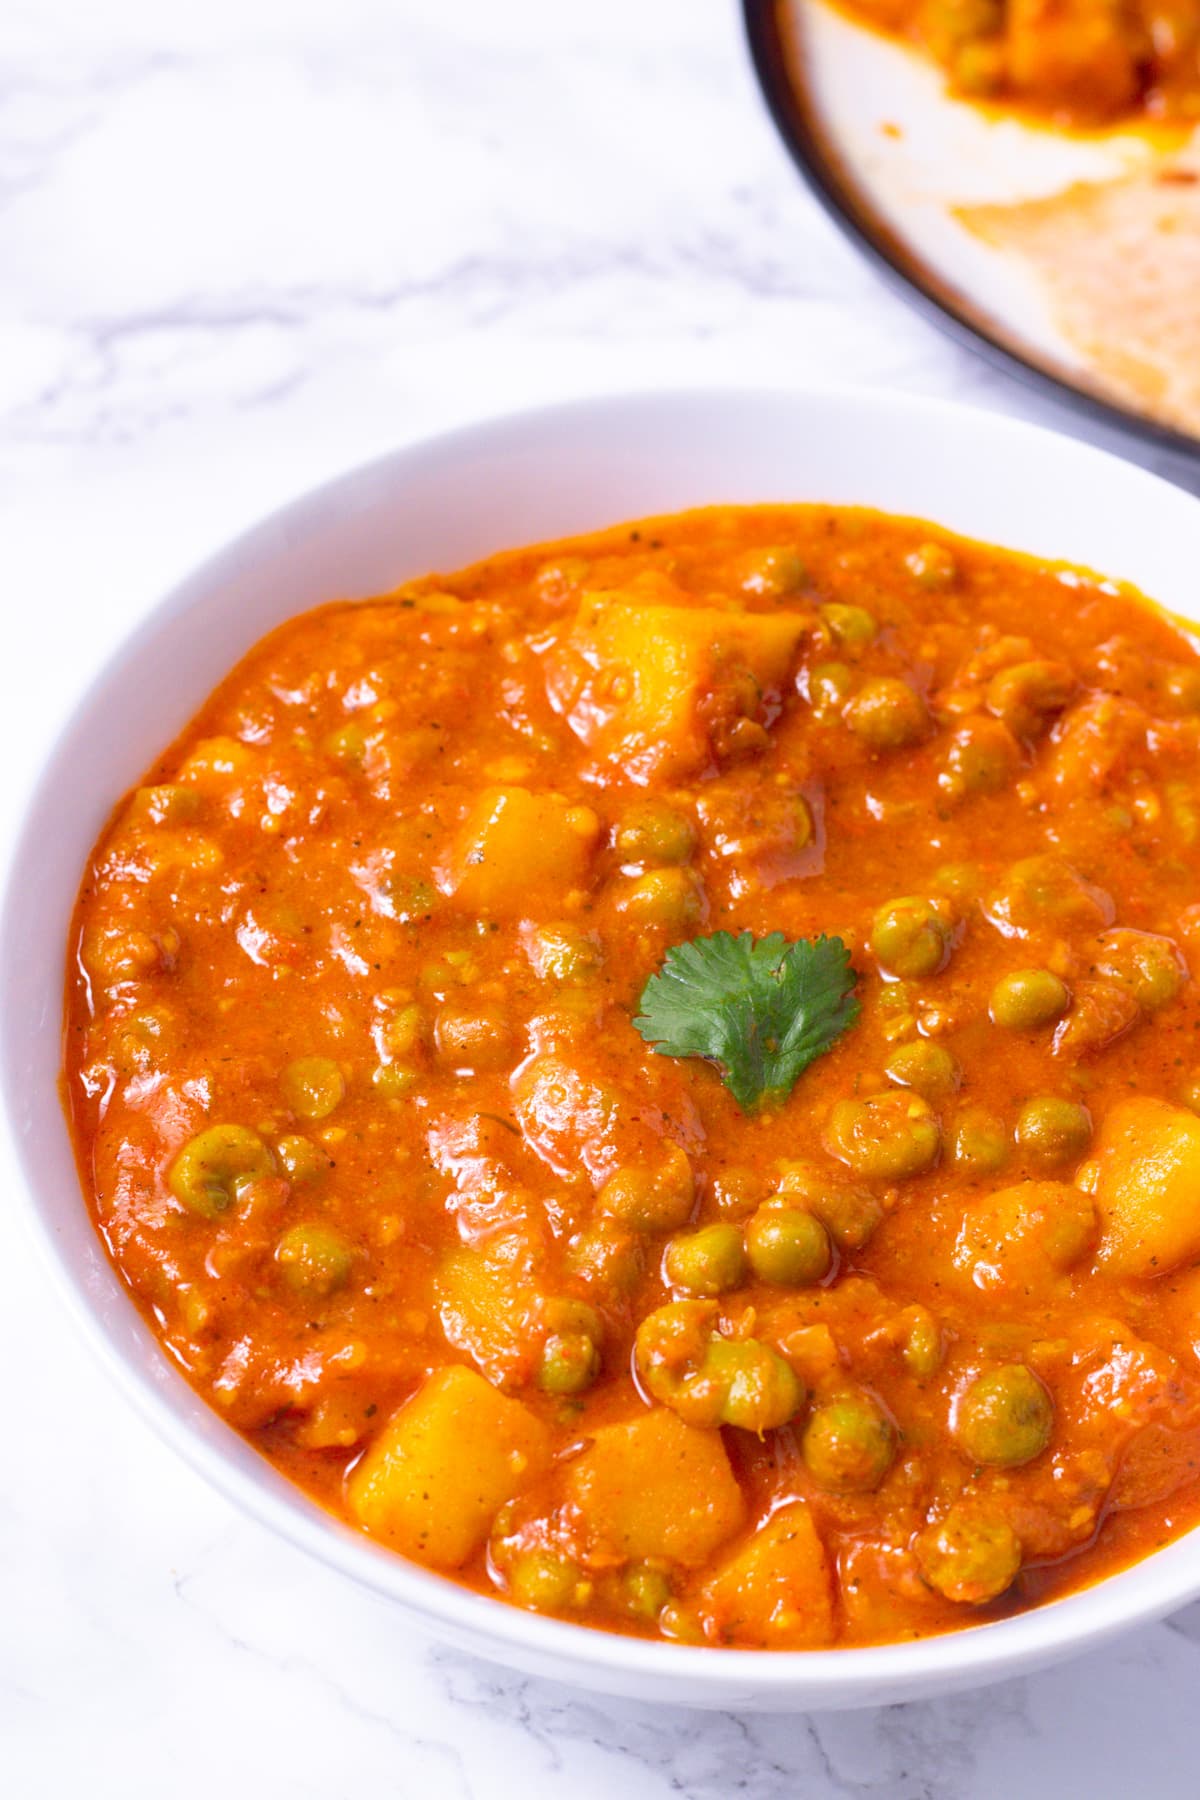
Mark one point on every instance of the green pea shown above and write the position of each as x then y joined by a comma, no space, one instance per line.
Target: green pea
932,566
542,1581
607,1256
347,744
1149,965
761,1391
646,1590
673,1347
315,1259
848,1444
570,1362
1046,890
299,1159
962,881
654,832
562,953
982,758
652,1197
852,626
929,1069
830,685
884,1137
971,1557
213,1168
393,1080
1028,998
1026,696
670,897
170,804
773,571
1052,1131
911,937
1005,1418
887,714
709,1380
473,1037
403,1027
1071,1229
710,1261
788,1247
573,1315
313,1086
681,1624
979,1141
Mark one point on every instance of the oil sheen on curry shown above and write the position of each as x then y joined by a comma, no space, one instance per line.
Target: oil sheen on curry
658,1076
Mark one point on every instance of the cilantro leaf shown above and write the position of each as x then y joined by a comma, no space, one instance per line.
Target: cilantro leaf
761,1009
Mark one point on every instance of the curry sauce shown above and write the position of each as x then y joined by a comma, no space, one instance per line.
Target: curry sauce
377,1122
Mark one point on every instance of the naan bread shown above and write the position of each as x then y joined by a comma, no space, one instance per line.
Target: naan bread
1119,262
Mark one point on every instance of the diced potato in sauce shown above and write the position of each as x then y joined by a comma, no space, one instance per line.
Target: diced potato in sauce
433,1480
655,688
516,849
776,1589
656,1487
1145,1180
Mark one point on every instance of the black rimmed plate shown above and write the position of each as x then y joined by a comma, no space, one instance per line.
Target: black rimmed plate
892,157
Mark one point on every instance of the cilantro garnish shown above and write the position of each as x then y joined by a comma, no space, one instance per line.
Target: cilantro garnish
762,1010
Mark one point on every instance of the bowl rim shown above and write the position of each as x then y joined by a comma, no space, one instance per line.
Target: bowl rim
696,1674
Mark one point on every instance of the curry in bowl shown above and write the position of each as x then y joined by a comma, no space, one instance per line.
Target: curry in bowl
1078,62
658,1076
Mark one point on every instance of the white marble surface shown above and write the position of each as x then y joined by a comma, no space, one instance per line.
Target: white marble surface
244,245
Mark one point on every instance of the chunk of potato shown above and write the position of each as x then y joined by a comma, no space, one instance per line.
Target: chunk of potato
517,850
775,1590
434,1479
656,1487
1018,1239
1145,1180
650,686
489,1304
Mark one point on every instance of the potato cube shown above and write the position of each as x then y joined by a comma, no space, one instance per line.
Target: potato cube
647,686
434,1479
1145,1180
775,1590
656,1487
516,851
1020,1239
490,1306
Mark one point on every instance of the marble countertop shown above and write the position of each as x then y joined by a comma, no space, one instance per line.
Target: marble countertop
244,246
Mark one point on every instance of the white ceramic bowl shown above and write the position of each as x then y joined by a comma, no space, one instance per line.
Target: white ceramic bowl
437,506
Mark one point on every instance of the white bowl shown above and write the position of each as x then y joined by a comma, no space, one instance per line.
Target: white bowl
438,506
